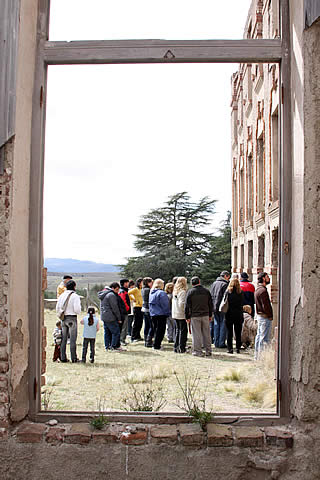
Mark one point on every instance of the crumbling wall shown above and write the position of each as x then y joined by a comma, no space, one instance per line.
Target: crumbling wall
305,332
41,451
5,216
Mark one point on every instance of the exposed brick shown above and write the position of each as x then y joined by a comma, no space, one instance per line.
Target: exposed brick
191,434
164,434
31,432
3,411
4,397
78,433
3,382
3,434
4,367
280,438
219,435
110,434
249,437
3,353
3,336
134,436
55,435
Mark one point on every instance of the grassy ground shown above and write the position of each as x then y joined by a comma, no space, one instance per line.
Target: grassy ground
120,381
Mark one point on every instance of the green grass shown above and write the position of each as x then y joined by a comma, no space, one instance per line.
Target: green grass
79,387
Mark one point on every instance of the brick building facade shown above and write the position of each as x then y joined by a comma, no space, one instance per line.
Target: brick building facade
255,156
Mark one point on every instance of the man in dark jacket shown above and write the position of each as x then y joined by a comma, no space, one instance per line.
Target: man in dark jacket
123,293
198,311
264,314
248,291
111,316
218,329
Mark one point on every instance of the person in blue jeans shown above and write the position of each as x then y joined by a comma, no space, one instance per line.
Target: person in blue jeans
90,328
218,327
111,316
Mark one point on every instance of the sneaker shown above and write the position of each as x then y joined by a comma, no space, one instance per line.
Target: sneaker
208,354
196,354
91,361
123,344
119,349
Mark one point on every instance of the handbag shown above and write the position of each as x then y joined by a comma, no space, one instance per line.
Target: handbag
64,306
224,304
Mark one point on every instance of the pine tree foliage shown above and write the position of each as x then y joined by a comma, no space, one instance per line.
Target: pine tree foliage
174,240
219,256
180,224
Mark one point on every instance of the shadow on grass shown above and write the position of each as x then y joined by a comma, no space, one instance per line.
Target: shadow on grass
230,358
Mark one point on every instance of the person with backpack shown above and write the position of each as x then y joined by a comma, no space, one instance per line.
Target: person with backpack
90,329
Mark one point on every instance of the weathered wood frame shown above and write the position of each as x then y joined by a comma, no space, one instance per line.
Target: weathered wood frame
158,51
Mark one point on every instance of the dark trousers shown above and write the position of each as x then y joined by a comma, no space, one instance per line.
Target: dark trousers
148,329
181,336
212,331
92,342
130,322
159,326
237,325
137,323
56,353
111,334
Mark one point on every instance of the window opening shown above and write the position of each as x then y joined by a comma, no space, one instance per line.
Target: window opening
255,35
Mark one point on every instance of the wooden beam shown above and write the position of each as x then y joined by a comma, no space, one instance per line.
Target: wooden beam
162,51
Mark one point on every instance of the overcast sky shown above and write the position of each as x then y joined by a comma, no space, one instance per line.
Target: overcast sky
121,138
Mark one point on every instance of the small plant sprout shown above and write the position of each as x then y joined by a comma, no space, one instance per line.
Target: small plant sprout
145,397
192,403
100,420
46,398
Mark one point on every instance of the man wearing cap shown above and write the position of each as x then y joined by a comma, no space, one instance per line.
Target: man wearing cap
248,291
62,285
264,314
217,291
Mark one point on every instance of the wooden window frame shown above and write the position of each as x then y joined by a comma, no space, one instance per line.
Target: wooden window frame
157,51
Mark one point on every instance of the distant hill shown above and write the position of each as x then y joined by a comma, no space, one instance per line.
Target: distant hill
70,265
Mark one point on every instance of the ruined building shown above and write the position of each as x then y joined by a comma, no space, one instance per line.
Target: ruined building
255,157
137,446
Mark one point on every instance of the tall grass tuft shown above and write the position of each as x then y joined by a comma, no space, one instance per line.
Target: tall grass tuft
261,388
233,375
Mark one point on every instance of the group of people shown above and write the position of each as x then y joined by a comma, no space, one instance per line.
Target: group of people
211,316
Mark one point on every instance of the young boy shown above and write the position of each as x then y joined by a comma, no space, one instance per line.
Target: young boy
57,339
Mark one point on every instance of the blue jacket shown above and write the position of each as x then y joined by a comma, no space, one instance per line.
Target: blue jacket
159,303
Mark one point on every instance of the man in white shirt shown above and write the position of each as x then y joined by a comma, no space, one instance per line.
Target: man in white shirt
70,303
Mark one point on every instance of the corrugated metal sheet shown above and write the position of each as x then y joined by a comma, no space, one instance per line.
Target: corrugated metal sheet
9,28
312,11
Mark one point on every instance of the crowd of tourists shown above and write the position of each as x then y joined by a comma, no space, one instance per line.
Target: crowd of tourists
232,307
